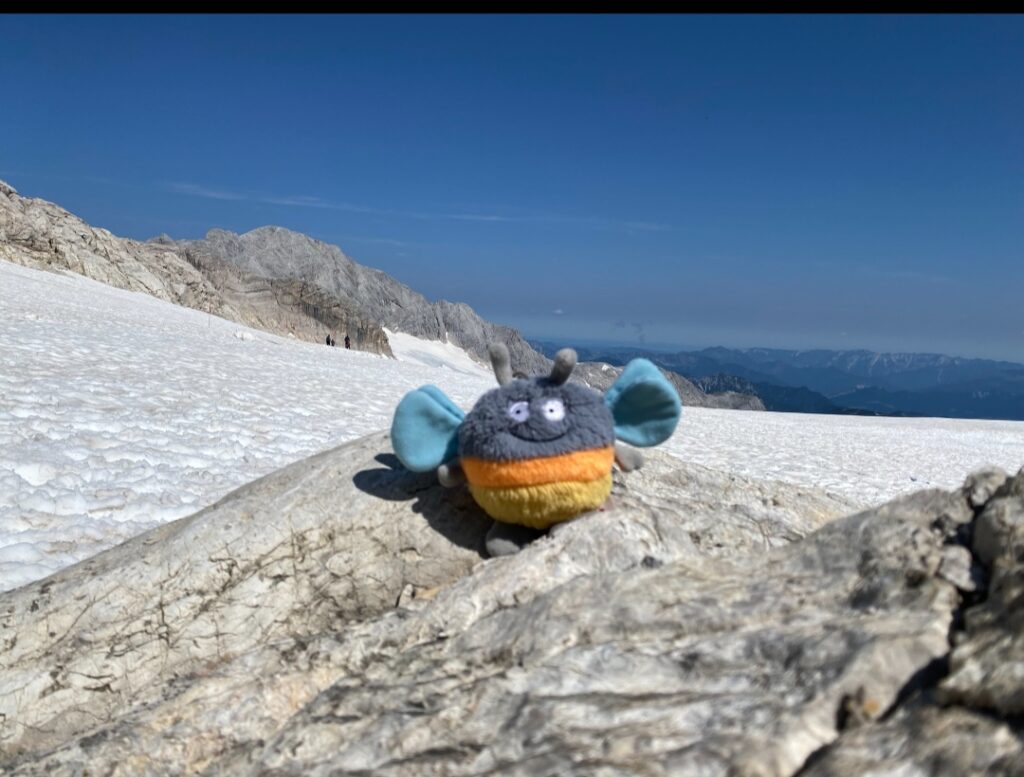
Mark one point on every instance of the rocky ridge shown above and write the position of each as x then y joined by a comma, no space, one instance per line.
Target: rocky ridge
281,254
270,278
274,252
336,617
39,234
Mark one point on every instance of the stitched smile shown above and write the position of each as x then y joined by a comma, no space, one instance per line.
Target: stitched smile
537,439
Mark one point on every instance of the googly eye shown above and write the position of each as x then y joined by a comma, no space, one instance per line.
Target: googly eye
554,409
518,411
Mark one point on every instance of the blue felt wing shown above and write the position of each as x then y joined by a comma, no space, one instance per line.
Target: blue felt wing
644,405
425,429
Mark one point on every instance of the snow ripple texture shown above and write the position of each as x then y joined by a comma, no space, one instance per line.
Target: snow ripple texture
119,411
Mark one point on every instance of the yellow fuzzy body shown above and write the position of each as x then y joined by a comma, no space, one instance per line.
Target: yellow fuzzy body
544,491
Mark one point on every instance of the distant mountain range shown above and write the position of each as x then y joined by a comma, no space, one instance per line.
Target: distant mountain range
857,382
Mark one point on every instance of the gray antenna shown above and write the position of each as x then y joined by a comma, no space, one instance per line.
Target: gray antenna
501,363
565,362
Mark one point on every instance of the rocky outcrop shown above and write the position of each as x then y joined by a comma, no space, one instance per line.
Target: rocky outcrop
39,234
330,540
336,618
987,663
319,547
36,233
969,722
291,307
278,253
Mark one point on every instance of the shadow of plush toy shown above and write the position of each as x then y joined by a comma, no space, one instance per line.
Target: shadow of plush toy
535,451
454,516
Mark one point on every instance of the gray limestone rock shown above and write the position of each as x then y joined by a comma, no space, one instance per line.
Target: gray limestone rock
283,255
983,484
336,617
968,721
925,740
39,234
307,549
614,646
987,664
256,599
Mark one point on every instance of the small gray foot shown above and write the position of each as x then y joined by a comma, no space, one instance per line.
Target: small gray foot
504,539
451,474
628,459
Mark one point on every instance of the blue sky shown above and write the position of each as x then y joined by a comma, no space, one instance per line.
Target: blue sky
788,181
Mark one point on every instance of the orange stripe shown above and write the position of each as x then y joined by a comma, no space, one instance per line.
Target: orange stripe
581,466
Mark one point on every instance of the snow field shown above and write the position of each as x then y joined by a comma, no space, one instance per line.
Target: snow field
119,412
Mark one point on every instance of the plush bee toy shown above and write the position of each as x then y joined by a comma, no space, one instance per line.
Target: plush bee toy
535,451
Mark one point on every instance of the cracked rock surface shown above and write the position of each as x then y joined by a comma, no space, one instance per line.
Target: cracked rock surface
337,618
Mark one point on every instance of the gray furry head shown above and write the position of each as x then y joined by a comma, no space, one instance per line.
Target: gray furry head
524,419
535,418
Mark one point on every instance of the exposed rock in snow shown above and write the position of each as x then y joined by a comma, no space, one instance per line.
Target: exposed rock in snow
281,254
336,538
987,665
36,233
335,617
